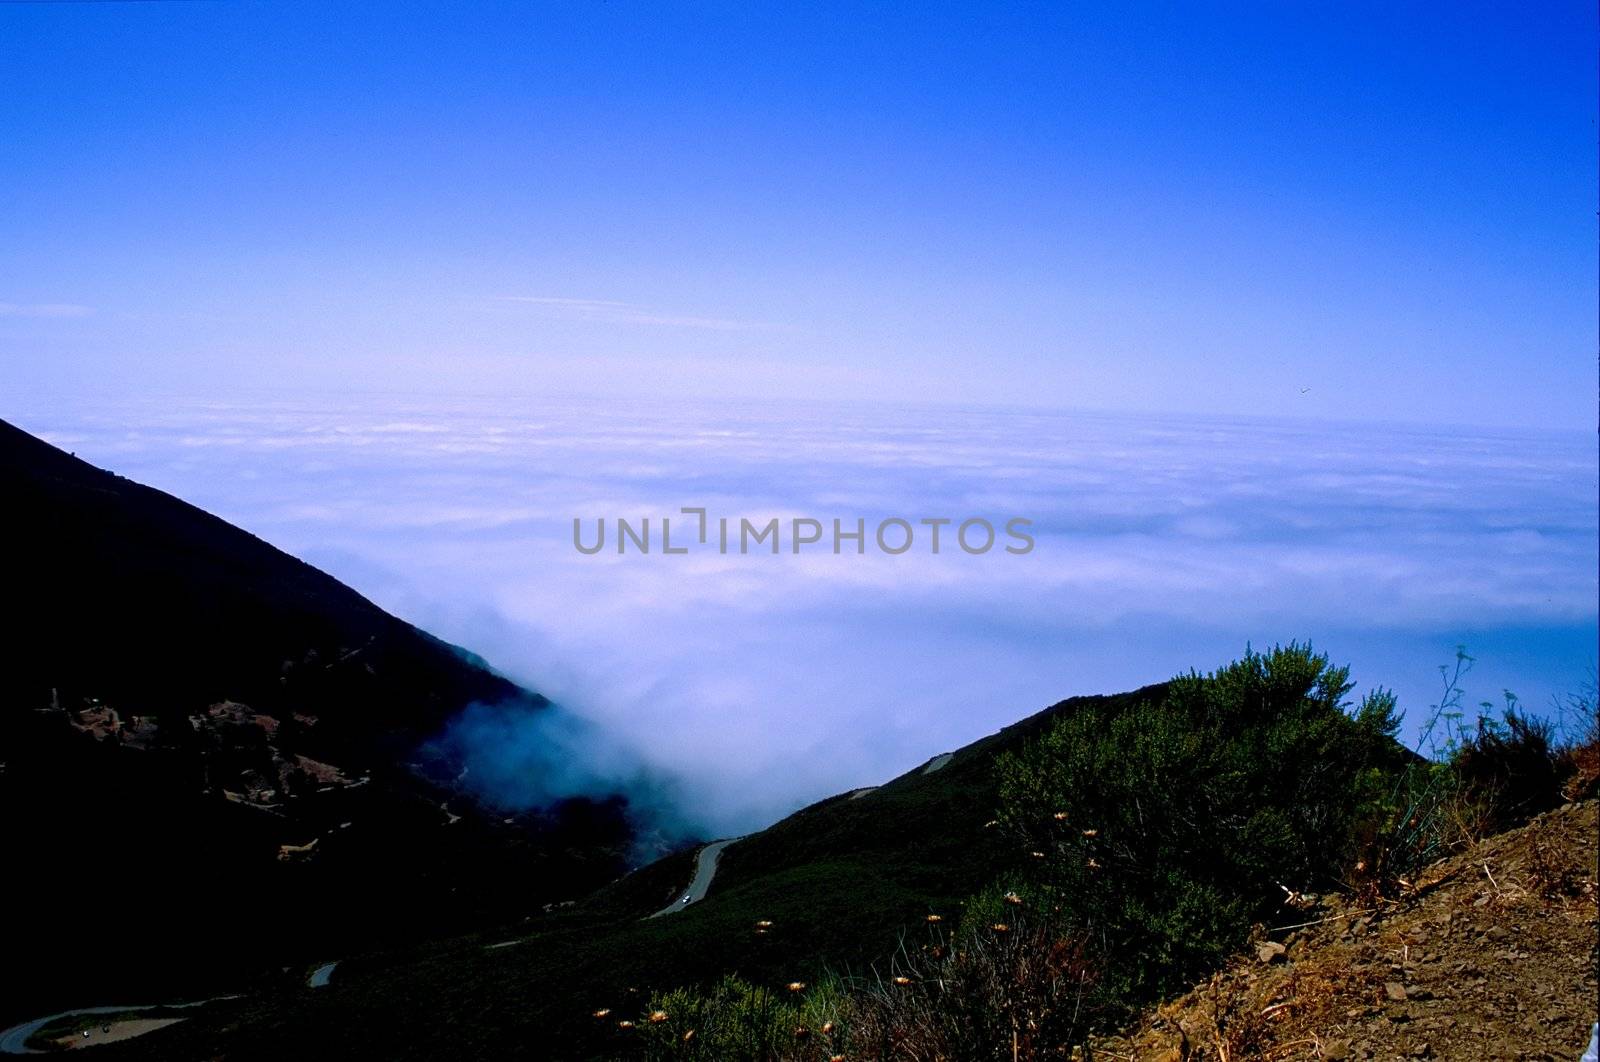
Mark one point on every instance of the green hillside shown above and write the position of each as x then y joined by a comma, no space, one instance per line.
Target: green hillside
839,881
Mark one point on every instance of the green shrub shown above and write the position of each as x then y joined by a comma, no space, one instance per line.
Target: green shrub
1578,755
732,1020
1511,768
1477,779
1006,985
1165,830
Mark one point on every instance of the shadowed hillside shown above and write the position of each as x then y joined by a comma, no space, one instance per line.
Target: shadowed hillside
1006,900
217,758
839,882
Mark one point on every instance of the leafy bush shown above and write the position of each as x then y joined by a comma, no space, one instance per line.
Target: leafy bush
1146,837
1478,779
1165,830
1510,767
1578,755
1007,985
730,1021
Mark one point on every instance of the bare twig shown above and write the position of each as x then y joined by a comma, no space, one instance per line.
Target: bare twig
1302,925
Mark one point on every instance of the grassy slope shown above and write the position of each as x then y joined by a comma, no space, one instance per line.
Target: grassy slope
840,880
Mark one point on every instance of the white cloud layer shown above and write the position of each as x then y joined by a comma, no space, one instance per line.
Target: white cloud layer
763,682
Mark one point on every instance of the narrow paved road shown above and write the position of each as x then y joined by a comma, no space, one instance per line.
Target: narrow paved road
705,867
14,1041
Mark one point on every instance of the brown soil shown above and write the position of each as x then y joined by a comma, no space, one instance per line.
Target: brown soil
1492,956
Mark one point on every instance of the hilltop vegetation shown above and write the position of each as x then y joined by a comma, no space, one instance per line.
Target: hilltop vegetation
1147,841
1163,831
1041,887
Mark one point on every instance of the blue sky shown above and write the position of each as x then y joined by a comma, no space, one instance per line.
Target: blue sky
1329,211
404,288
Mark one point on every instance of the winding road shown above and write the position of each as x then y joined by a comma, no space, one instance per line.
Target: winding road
14,1041
705,867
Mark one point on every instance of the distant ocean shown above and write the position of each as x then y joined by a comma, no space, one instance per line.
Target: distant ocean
1161,544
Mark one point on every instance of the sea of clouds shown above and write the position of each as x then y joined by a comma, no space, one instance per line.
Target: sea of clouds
754,684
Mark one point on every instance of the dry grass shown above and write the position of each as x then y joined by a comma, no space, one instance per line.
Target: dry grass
1015,991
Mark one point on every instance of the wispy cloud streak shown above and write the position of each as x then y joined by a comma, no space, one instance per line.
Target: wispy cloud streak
607,311
44,309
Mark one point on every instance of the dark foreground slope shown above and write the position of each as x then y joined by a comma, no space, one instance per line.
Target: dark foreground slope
839,882
215,758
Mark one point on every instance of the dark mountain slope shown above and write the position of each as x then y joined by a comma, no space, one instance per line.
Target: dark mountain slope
141,599
839,881
217,758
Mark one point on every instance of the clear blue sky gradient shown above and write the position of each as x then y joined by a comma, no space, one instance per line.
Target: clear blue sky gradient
1063,205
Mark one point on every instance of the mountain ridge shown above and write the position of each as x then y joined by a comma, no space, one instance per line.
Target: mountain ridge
246,744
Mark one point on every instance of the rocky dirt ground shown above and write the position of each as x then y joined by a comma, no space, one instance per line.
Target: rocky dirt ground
1493,956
